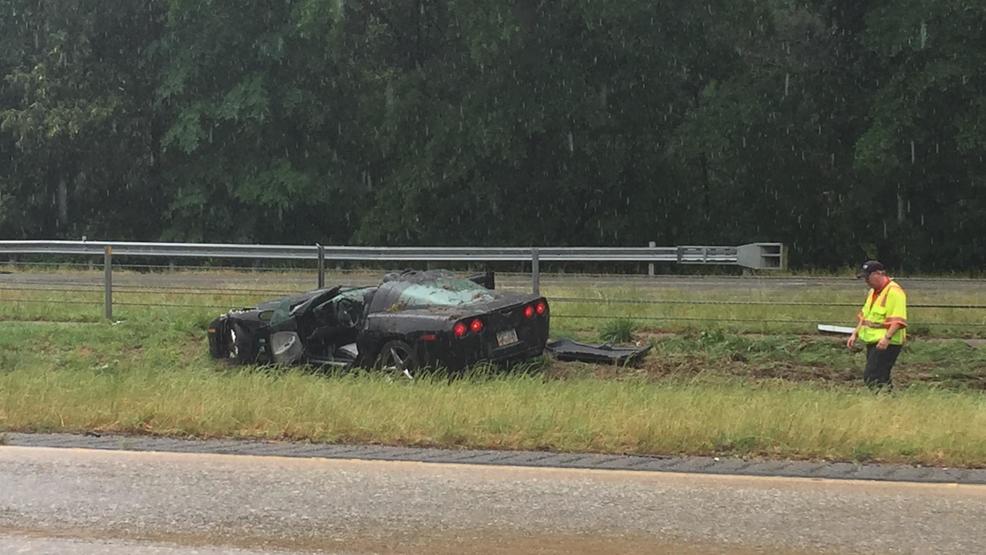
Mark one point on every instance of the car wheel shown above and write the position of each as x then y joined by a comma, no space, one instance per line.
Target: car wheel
397,358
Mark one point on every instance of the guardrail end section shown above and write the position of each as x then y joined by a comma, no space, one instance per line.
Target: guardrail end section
762,256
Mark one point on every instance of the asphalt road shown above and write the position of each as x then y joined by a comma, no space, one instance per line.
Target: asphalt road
89,501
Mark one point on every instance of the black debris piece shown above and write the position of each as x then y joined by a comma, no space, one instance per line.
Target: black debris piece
623,355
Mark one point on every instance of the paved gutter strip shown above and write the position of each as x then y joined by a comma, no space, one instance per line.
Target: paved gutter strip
840,470
594,461
684,464
273,449
604,463
569,460
98,442
221,447
316,451
666,465
945,476
383,453
470,456
701,465
732,466
634,462
813,468
921,474
430,455
336,452
500,458
768,467
390,455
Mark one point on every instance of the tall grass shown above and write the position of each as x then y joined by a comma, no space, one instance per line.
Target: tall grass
619,330
511,412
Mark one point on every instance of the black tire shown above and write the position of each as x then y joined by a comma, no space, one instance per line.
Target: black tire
398,359
217,336
242,347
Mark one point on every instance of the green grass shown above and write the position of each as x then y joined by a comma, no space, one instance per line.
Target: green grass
729,417
584,309
703,390
619,330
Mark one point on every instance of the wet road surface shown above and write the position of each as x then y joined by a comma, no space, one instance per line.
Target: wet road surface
88,501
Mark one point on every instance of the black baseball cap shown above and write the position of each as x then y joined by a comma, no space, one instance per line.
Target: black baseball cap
869,267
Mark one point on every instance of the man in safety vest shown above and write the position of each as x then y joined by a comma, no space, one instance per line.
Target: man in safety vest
882,323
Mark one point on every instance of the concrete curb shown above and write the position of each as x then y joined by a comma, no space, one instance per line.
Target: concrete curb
700,465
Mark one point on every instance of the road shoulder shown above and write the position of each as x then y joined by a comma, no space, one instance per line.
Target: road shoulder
678,464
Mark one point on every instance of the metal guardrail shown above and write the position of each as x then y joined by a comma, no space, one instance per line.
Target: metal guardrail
755,255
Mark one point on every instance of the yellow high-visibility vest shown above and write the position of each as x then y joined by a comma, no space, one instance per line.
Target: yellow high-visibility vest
888,307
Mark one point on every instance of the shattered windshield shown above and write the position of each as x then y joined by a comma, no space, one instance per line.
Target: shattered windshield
444,292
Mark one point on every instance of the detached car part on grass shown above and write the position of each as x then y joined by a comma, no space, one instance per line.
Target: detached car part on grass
620,355
409,321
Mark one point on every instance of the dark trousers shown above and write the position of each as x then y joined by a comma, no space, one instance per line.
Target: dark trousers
878,365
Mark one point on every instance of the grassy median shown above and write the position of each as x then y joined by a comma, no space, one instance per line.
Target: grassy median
145,378
712,391
509,412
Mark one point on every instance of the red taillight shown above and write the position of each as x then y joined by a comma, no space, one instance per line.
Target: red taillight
529,311
460,329
476,326
541,307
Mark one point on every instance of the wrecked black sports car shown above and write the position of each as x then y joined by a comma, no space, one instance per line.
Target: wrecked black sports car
409,321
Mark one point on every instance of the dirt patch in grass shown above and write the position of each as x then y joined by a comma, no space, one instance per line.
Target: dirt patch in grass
797,361
933,374
658,367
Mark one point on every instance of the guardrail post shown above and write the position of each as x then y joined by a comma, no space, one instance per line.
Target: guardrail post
650,266
108,282
321,266
536,271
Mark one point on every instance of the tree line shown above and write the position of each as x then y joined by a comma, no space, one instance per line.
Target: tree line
843,128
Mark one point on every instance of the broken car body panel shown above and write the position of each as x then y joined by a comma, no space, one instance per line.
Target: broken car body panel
567,350
421,312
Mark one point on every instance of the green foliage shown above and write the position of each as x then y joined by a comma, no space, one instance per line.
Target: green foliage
844,129
619,330
75,125
924,132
